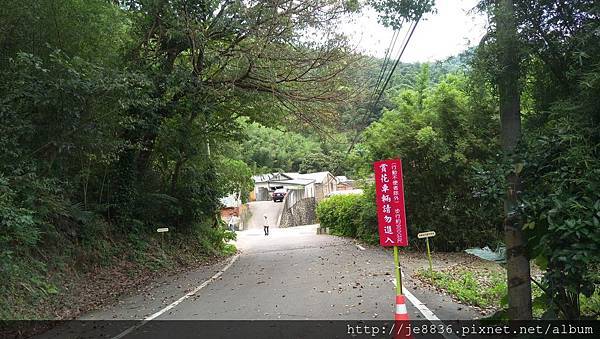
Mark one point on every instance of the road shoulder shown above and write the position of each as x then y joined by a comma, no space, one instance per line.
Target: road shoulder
146,300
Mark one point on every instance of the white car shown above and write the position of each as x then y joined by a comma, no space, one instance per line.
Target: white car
279,194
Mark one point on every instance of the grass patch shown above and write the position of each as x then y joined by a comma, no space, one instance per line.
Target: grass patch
485,287
590,307
481,288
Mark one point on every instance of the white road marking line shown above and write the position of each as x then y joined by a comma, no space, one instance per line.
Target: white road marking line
426,312
360,247
178,301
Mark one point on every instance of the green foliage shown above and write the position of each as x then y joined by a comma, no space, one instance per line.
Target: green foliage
234,176
269,149
323,162
340,214
117,118
393,13
442,145
482,289
447,136
350,216
562,207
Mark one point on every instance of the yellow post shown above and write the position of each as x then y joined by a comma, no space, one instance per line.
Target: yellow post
397,271
429,257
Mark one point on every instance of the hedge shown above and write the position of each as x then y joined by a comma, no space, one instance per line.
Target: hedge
350,216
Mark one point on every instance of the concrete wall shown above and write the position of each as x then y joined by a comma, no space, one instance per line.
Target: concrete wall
245,214
309,190
292,197
298,209
262,194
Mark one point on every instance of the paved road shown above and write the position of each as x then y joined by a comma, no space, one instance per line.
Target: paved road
259,209
293,274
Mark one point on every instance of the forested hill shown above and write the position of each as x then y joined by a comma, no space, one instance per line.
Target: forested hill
305,149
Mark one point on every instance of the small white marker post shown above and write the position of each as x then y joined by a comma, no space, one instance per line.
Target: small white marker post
427,235
162,231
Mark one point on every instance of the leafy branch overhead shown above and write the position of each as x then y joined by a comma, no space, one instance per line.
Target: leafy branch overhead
394,13
237,56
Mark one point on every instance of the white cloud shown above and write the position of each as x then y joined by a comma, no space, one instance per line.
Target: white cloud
448,32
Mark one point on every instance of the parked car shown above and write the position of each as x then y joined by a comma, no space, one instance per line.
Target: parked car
279,194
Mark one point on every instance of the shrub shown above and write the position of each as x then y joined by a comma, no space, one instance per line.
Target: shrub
350,216
341,214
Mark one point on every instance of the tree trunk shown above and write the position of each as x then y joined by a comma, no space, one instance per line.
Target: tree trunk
518,272
175,177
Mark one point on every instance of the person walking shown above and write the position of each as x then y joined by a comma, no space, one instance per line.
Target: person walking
231,224
266,225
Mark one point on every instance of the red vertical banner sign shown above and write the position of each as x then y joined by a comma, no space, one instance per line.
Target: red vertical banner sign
391,215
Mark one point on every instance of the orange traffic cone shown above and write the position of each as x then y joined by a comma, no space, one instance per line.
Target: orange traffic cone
401,312
402,322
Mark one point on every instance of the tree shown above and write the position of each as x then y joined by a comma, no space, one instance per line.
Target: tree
235,177
440,144
518,269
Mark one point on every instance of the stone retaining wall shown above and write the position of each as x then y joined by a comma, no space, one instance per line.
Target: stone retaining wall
303,212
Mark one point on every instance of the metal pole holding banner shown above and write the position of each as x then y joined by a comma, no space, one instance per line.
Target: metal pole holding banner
391,218
397,271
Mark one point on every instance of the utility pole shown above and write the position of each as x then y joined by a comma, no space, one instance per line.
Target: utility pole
518,270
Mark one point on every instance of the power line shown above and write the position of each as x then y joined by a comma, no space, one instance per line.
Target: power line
404,44
385,63
397,61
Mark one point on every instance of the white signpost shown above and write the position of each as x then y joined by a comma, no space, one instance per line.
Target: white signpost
162,232
427,235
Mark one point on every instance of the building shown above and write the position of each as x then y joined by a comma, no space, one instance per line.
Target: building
314,185
344,184
263,186
324,183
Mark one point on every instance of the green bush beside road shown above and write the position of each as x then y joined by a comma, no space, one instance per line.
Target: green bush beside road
350,215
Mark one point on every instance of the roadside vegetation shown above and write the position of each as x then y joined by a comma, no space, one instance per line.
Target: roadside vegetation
448,134
484,286
121,117
350,216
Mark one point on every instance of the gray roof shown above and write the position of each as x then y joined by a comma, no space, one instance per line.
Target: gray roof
302,182
229,201
270,176
318,177
342,179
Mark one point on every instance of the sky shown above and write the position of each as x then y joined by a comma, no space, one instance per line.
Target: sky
438,35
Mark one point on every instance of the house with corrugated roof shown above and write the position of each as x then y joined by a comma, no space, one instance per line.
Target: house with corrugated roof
324,183
315,185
